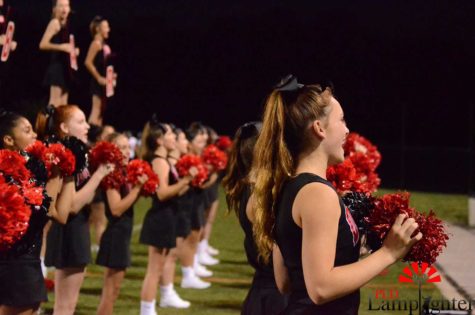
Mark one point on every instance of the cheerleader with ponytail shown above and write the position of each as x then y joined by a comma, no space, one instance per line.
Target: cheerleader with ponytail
97,60
263,297
159,229
299,217
68,245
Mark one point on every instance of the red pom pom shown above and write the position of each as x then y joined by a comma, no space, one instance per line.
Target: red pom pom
36,149
224,143
57,155
186,162
14,214
137,168
33,194
388,207
358,172
108,153
215,157
14,165
434,239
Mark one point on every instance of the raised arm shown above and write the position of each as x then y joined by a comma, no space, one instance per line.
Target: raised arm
316,209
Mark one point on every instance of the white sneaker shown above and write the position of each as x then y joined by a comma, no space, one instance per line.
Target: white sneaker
212,251
205,259
172,299
202,271
193,282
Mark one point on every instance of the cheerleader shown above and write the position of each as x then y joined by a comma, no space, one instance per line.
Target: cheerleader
158,230
168,297
96,63
197,142
56,40
114,250
20,266
68,246
263,297
317,241
211,206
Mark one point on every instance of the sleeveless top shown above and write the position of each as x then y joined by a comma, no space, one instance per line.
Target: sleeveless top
172,179
289,239
249,243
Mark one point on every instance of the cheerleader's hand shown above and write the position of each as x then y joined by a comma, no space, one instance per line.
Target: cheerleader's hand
2,39
105,169
193,171
142,179
398,241
66,47
13,45
102,81
77,51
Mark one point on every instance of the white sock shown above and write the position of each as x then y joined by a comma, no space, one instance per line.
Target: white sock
195,261
147,308
166,289
202,246
187,272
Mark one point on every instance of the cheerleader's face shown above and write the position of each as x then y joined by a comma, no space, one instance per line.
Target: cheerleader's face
21,136
62,9
123,144
335,132
198,143
76,126
182,143
169,139
104,29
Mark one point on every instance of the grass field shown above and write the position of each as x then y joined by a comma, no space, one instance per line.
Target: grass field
232,277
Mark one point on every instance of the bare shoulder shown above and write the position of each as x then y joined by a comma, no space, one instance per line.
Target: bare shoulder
316,201
54,25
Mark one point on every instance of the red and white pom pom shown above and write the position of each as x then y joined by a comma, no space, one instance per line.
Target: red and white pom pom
138,168
215,157
224,143
14,165
37,149
108,153
189,161
33,194
56,154
14,215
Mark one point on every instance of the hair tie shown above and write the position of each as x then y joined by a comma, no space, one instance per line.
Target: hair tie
288,84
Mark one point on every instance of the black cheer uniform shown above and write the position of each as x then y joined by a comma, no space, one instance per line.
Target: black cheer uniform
289,238
183,214
263,297
114,250
59,72
158,227
21,279
101,61
197,213
69,245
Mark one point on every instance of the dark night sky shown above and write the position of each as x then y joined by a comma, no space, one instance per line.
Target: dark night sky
403,71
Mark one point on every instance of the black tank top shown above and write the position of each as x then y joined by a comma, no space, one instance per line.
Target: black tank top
129,213
172,179
101,60
289,238
60,38
249,243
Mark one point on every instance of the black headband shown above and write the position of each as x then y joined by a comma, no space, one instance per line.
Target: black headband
288,84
